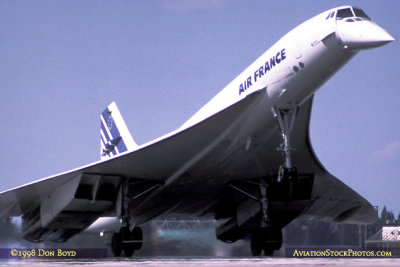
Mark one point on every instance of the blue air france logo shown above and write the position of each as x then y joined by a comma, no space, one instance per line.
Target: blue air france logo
111,139
262,70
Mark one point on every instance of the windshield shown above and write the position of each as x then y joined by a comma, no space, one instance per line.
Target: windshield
361,14
348,13
344,13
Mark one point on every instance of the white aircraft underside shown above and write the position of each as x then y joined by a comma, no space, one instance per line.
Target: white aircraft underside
208,165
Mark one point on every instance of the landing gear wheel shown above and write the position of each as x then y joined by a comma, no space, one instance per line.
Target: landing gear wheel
267,240
268,251
138,237
116,244
273,238
129,250
256,244
127,245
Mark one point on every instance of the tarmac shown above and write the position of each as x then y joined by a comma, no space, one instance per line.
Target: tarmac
198,262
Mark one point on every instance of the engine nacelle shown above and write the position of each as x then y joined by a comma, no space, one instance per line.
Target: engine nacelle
230,232
71,208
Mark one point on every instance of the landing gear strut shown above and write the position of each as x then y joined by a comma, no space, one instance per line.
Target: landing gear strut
269,237
128,239
286,119
280,197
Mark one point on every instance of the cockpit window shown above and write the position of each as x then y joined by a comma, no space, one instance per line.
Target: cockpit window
344,13
361,14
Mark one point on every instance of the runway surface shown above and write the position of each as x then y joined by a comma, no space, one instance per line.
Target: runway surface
220,262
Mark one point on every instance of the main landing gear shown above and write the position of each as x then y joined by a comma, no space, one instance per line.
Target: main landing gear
286,119
269,236
126,241
266,239
279,198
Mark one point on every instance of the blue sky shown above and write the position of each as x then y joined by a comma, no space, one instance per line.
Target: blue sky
63,62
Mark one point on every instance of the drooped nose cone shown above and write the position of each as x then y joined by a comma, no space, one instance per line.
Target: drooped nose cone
361,34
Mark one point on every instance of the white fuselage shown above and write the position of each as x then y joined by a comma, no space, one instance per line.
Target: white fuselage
299,63
290,72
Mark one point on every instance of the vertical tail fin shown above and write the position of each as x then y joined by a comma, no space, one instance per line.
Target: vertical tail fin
114,135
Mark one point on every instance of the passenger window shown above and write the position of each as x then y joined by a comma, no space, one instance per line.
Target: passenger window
344,13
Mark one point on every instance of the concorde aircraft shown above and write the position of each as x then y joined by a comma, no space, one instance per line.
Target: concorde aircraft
244,158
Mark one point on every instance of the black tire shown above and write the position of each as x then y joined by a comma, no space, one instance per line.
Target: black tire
256,244
267,240
137,234
268,251
277,238
126,235
129,250
116,244
272,240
